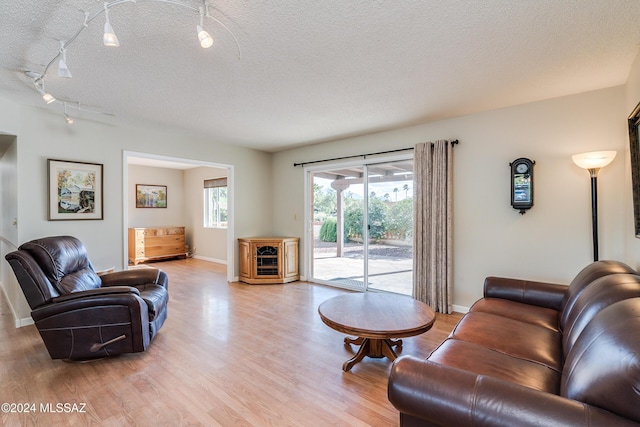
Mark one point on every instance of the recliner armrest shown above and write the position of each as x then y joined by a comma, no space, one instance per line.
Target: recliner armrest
445,396
96,292
548,295
134,277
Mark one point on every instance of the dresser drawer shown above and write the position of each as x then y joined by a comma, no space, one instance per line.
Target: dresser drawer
155,243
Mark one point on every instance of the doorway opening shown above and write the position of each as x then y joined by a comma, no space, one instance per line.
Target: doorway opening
130,158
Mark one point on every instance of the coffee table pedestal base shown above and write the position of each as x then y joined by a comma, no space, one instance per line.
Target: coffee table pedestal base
371,347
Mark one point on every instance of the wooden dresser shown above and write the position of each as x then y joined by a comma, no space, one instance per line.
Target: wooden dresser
150,243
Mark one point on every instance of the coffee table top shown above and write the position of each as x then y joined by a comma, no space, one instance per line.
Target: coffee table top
377,315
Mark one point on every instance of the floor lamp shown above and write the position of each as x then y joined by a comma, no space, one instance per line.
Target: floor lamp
593,162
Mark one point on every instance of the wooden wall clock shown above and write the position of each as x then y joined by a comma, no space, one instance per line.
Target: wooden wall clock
522,184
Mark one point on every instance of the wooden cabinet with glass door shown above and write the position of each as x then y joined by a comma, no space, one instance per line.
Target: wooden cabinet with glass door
265,260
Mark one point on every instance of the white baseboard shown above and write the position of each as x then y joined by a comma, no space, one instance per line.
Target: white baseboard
460,309
217,261
24,322
19,322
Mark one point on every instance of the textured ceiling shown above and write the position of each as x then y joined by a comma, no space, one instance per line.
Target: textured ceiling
313,71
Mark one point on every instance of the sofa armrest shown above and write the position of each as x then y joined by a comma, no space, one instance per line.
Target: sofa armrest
135,277
548,295
445,396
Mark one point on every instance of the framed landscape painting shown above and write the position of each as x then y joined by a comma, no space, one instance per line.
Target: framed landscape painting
75,190
151,196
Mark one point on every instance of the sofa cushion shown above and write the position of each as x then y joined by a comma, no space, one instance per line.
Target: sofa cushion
485,361
540,316
518,339
603,366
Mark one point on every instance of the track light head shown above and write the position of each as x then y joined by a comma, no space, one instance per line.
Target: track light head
109,38
63,70
46,97
206,41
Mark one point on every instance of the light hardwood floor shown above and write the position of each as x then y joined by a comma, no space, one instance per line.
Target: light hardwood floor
228,354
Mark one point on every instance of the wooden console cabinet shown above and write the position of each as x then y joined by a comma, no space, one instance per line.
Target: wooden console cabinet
151,243
269,260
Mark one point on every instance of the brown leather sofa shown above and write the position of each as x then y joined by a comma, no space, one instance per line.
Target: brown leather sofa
533,354
81,315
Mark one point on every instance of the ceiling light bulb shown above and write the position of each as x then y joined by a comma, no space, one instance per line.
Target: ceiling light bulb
109,38
68,119
48,98
205,38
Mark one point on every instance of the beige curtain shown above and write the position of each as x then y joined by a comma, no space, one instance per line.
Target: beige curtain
432,265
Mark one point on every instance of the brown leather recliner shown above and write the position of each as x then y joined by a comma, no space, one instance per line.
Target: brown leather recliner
81,315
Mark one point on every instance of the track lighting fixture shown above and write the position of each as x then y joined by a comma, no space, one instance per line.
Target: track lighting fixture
109,38
63,70
206,41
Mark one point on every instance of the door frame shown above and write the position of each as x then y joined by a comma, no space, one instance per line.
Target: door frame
308,209
126,155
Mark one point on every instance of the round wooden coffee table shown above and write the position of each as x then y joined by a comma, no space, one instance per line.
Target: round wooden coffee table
375,319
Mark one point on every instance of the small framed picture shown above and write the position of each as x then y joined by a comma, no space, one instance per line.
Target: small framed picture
75,190
151,196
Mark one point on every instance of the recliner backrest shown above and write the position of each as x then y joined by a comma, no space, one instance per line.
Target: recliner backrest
64,261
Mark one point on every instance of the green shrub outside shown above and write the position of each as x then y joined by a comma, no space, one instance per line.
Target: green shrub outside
329,230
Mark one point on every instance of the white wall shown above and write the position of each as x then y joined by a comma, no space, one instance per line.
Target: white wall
9,232
175,212
206,243
550,242
42,133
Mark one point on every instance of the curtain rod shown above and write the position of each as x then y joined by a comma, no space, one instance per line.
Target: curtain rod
454,142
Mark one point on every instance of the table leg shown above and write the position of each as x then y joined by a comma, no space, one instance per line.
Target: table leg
375,348
362,352
356,341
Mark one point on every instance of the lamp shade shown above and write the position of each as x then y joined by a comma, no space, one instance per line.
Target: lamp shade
594,159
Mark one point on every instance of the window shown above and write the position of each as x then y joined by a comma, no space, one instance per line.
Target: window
215,203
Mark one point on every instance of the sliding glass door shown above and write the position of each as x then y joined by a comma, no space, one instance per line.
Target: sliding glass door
361,217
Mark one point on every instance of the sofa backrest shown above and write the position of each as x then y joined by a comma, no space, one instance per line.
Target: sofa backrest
600,294
52,266
602,368
583,279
